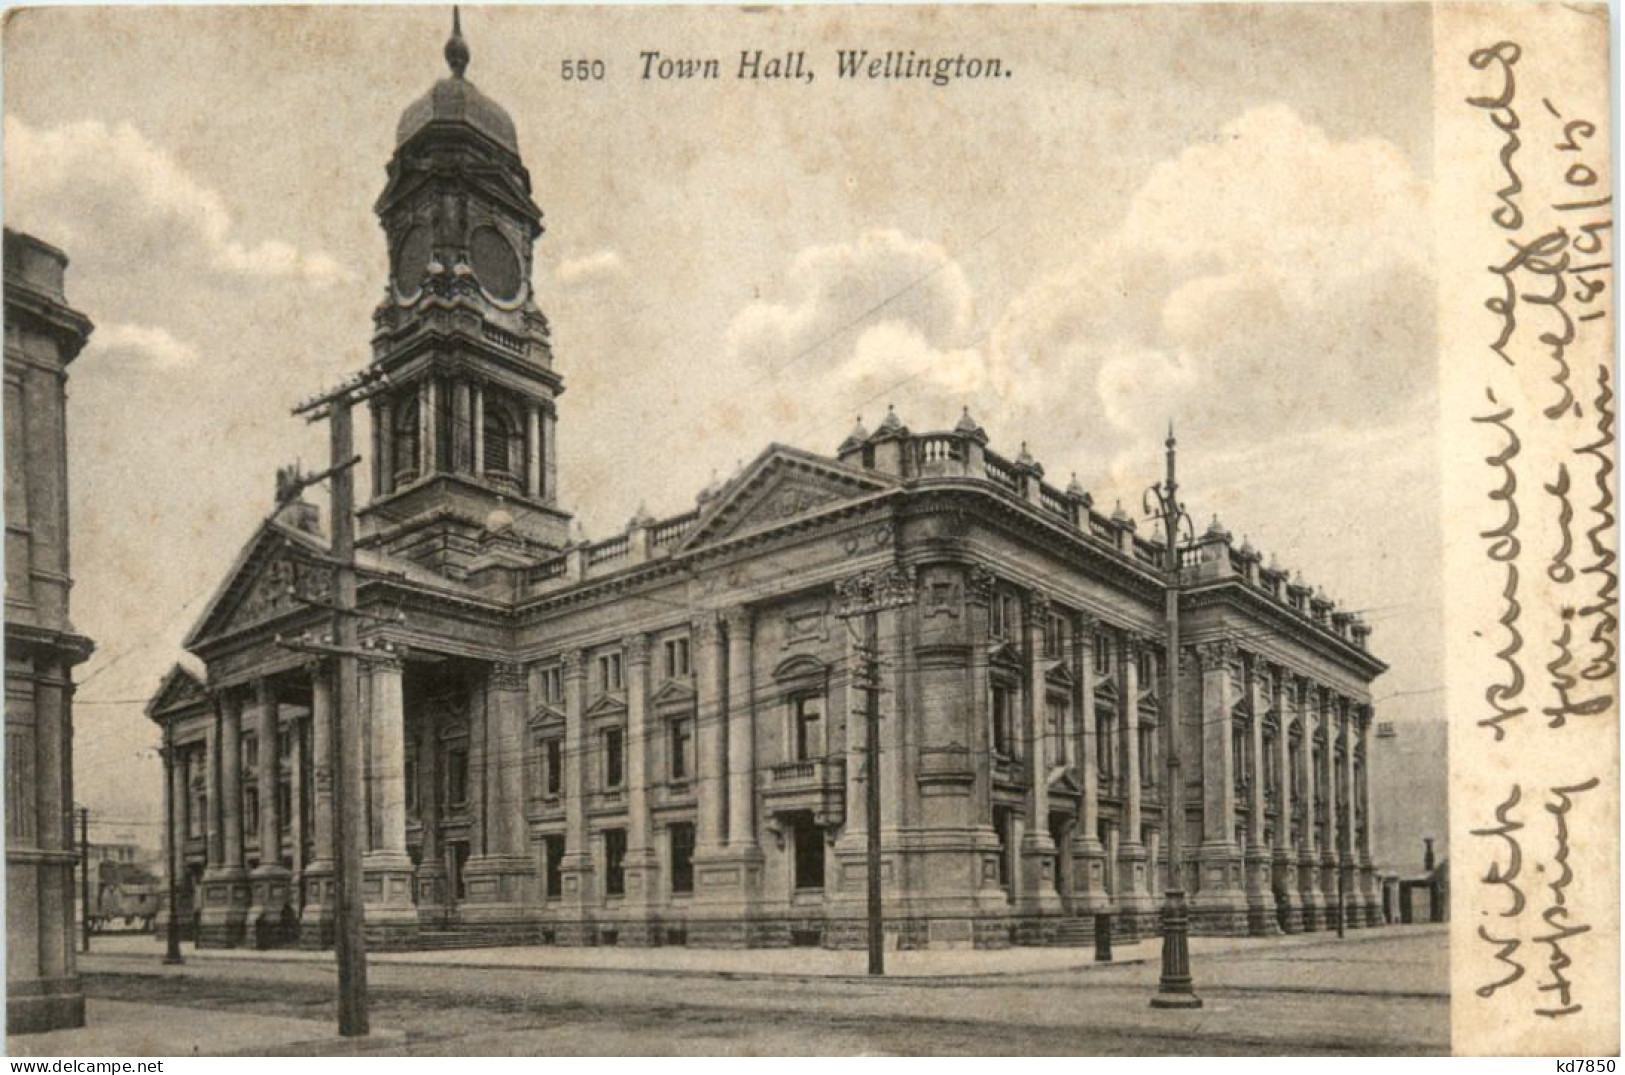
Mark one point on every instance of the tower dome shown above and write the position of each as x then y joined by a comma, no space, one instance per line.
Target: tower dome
454,99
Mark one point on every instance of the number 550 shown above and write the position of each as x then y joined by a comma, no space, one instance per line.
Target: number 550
583,71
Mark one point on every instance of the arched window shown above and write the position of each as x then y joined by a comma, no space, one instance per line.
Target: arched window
498,435
405,436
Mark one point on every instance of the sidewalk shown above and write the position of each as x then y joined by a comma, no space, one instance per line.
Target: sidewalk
121,1028
756,962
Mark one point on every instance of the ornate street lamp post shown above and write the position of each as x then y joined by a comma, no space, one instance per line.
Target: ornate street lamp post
1174,989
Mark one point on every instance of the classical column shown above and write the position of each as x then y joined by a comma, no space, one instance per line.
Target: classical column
428,397
296,802
710,714
1221,902
741,734
431,869
550,456
464,446
383,460
499,878
1349,856
226,892
576,867
1089,894
533,450
1260,907
376,411
1328,777
386,868
1285,860
642,867
316,920
1368,877
478,428
1038,846
1314,907
174,830
1133,898
270,878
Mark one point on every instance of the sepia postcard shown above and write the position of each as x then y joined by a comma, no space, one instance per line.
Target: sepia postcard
814,530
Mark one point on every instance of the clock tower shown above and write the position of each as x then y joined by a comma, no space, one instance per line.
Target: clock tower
463,436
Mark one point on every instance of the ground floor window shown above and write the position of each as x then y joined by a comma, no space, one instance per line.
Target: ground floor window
615,862
457,854
1003,824
552,867
809,854
681,835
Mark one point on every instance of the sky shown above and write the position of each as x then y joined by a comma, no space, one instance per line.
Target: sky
1215,216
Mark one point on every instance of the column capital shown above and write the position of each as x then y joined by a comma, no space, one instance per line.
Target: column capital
1220,654
505,676
876,589
1085,623
574,663
979,585
1037,608
740,620
636,647
706,629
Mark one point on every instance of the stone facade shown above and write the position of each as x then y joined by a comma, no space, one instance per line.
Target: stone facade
655,738
43,335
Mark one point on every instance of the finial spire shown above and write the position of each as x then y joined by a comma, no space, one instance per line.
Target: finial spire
456,47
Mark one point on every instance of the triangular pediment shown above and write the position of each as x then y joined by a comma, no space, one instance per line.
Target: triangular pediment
1006,653
272,577
179,688
781,485
546,713
607,705
673,694
1059,674
1065,779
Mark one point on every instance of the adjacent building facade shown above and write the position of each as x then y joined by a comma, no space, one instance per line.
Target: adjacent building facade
43,335
656,738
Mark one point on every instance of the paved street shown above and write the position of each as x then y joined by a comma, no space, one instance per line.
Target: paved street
1380,991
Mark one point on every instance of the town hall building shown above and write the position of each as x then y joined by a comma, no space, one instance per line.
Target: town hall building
657,738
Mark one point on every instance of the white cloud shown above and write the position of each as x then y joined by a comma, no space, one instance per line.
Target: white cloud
839,291
147,346
595,268
89,186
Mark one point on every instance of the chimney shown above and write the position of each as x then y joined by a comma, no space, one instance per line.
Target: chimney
1427,855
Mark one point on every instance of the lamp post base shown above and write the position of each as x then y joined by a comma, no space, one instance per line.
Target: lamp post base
1174,988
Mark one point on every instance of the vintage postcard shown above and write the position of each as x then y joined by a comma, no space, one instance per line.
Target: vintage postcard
933,529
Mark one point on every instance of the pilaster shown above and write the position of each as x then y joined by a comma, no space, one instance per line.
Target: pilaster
1220,906
1089,894
386,870
576,867
1284,864
1038,852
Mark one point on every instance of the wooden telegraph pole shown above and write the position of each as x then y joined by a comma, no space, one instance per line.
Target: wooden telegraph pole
866,595
1174,988
349,807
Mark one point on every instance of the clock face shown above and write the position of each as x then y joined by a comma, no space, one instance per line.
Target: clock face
412,259
495,263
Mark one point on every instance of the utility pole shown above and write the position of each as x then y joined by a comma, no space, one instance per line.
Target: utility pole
172,949
84,879
865,595
349,808
1174,988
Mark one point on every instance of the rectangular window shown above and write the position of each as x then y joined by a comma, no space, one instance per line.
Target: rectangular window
681,834
553,685
682,742
1002,827
284,805
1004,706
809,729
552,867
1103,655
457,776
609,673
1148,755
552,767
200,812
251,811
1106,746
809,855
1059,727
251,752
457,852
615,862
614,757
996,624
1055,636
411,785
676,658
